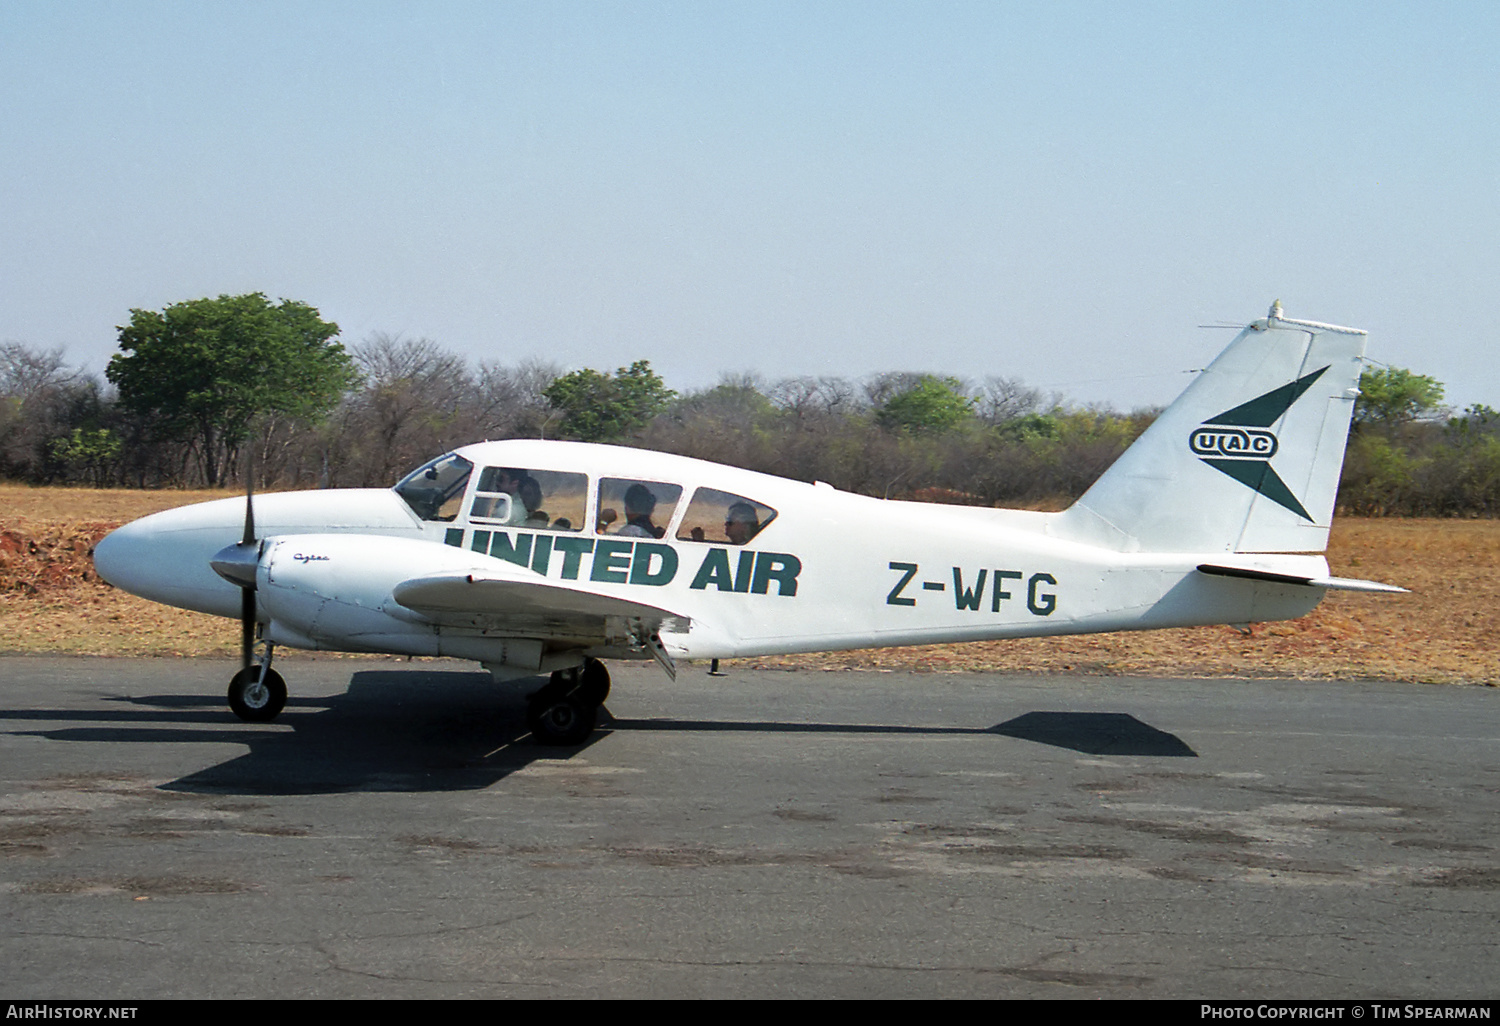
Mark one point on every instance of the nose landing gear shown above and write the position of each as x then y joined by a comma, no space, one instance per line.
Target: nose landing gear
257,693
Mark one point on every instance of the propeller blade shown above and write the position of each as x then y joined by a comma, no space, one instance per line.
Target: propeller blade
249,535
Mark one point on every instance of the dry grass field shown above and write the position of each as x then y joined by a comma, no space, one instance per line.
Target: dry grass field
1445,631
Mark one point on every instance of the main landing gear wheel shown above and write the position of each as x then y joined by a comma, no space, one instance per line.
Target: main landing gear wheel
255,700
562,720
566,709
593,681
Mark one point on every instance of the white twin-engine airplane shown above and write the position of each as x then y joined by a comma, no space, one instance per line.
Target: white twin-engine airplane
538,557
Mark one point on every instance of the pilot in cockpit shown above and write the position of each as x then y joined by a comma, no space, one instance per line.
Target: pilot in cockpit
524,492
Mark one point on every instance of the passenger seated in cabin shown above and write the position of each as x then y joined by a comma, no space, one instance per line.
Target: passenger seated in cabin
740,523
741,518
607,516
640,505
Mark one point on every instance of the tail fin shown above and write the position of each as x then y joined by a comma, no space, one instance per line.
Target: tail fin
1246,460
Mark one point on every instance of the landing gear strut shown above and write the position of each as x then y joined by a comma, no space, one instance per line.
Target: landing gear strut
565,710
257,693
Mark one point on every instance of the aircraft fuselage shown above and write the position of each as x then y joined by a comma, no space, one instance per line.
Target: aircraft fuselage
829,570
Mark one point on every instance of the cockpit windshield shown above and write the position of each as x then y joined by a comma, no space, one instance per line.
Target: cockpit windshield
435,491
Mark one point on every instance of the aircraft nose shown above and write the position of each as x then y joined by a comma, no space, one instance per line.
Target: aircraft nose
165,562
119,555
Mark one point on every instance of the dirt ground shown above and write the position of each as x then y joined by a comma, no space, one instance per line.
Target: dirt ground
51,601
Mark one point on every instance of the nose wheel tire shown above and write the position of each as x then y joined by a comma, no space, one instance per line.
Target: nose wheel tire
255,700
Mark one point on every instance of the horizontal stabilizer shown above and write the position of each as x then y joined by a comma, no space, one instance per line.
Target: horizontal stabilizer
1332,583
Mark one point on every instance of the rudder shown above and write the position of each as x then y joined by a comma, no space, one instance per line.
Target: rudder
1247,459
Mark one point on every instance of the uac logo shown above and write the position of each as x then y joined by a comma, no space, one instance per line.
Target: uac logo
1238,442
1233,443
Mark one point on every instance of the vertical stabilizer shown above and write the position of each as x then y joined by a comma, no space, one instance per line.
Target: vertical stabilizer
1246,460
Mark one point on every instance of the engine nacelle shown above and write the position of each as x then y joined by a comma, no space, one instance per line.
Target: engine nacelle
333,592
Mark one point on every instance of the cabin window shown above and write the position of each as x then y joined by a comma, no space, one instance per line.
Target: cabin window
435,490
723,518
634,508
542,500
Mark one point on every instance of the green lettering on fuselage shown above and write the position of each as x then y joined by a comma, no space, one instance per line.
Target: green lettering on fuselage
715,571
744,571
572,550
1041,605
754,572
963,598
781,567
501,547
541,554
611,561
640,564
1001,575
968,597
626,561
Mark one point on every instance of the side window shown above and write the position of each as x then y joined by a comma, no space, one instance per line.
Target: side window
542,500
634,508
435,490
723,518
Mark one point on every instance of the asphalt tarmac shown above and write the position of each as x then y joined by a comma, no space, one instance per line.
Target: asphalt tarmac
396,834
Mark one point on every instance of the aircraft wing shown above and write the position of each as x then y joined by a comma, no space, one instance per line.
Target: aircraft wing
534,609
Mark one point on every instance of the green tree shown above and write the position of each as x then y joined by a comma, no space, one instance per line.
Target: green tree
607,407
931,405
1392,396
1478,423
203,369
1378,477
89,452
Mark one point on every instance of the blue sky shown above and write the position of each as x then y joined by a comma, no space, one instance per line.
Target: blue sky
1060,192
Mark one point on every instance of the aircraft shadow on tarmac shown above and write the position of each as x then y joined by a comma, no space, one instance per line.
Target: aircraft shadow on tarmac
416,730
1092,733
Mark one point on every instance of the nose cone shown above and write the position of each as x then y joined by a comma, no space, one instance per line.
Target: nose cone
115,554
168,557
165,560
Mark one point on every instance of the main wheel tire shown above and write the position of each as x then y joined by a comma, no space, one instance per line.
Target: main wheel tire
561,719
254,700
593,682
